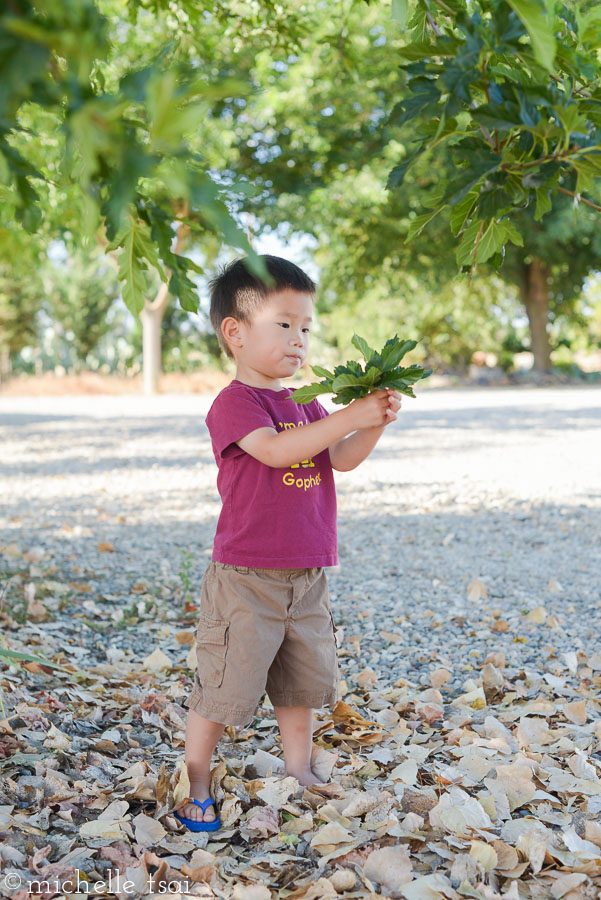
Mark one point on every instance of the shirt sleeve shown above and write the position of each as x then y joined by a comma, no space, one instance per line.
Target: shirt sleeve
233,415
321,410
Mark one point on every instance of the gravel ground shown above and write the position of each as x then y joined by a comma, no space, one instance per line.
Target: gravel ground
495,488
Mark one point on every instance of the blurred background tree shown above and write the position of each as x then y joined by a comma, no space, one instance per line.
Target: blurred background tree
189,122
80,288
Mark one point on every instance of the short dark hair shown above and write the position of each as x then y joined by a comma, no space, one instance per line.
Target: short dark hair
236,292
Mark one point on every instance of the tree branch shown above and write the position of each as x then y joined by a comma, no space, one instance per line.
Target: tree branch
580,198
445,7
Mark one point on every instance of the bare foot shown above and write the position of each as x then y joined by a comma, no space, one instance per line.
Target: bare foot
192,811
306,777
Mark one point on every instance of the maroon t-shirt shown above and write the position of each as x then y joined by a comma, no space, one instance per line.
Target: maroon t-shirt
270,518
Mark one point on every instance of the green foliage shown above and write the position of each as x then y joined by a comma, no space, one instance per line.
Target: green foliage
382,370
79,293
122,131
509,93
20,299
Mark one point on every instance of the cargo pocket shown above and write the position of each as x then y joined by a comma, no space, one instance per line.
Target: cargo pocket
335,630
211,649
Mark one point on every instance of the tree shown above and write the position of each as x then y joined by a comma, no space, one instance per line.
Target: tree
558,255
198,115
79,292
21,295
325,155
510,91
129,102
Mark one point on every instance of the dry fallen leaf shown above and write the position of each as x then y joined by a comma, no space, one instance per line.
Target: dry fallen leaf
439,677
476,591
567,883
156,661
343,880
328,836
575,712
263,821
406,772
390,868
429,887
148,831
485,854
537,616
251,892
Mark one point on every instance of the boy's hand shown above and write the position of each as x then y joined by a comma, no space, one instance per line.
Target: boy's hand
394,404
371,411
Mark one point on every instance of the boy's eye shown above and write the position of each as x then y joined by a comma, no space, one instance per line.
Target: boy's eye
284,324
306,330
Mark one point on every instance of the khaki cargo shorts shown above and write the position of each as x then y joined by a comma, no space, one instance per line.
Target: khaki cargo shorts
263,630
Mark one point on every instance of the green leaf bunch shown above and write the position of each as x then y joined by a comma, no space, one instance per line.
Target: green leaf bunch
509,92
352,380
131,130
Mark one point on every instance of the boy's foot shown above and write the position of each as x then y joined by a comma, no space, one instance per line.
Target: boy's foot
305,777
194,812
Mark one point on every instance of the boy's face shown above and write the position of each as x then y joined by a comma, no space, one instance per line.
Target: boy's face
275,343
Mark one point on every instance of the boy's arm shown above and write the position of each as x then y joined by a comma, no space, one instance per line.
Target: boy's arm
285,448
347,453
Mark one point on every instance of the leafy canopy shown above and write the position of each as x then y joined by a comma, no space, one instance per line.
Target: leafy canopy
123,103
510,92
351,381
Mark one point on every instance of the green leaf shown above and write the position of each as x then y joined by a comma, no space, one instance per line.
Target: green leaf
465,251
363,347
461,186
492,240
538,27
479,246
352,367
29,657
394,351
503,117
589,170
371,375
512,234
309,392
425,50
137,251
353,392
571,118
461,212
400,12
417,225
589,26
397,384
397,174
413,374
344,380
323,373
543,203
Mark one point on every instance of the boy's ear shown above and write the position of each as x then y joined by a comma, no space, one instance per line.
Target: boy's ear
230,329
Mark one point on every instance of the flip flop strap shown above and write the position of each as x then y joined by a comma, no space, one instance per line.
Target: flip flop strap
204,804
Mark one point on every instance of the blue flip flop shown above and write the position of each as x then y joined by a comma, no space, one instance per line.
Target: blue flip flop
193,825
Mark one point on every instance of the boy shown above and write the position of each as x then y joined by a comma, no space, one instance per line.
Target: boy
265,620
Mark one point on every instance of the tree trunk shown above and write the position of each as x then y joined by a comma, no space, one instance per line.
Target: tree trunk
152,317
152,314
535,294
5,364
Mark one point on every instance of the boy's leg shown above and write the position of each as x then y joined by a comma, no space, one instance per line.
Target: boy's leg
296,729
202,736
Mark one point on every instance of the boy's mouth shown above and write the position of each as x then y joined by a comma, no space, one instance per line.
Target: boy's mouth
294,356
